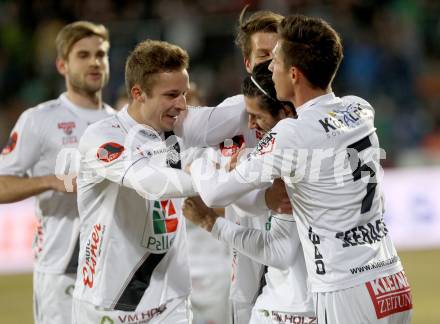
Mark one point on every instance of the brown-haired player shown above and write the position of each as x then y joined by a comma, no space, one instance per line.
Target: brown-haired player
356,275
329,160
29,161
256,37
133,260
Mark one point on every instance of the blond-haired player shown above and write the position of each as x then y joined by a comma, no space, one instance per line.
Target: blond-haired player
28,163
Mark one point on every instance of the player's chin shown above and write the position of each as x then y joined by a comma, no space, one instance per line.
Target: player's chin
168,124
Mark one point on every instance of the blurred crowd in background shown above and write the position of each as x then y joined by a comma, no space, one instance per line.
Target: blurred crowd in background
391,47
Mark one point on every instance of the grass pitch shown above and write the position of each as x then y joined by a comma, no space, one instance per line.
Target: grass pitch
421,268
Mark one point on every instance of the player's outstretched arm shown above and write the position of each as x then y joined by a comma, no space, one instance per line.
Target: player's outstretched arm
14,188
277,247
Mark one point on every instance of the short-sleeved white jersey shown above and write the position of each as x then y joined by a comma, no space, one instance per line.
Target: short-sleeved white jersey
328,158
133,253
36,141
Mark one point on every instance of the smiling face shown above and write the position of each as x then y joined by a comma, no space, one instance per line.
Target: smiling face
166,100
260,118
86,68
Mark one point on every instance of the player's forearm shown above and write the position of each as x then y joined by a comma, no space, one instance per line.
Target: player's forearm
263,247
160,183
216,189
252,204
13,188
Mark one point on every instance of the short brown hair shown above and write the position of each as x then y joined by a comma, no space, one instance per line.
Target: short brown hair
311,45
260,21
149,58
76,31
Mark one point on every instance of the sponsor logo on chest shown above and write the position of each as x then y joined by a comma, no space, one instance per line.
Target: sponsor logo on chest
390,294
93,252
160,229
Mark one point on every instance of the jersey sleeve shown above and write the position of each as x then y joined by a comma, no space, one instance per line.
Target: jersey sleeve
22,150
209,126
252,204
274,157
109,157
277,247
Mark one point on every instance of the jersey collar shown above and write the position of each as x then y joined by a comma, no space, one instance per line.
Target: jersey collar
129,122
84,113
318,100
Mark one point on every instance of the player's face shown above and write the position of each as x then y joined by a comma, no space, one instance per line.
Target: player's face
86,68
281,75
259,118
166,101
262,45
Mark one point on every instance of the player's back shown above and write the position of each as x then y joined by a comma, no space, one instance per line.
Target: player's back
335,191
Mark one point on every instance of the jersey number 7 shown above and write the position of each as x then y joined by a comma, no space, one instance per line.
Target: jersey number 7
362,169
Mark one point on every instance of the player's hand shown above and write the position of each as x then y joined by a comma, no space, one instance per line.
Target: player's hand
235,158
62,185
198,213
277,198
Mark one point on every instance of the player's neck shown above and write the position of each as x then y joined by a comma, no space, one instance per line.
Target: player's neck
134,110
307,93
85,100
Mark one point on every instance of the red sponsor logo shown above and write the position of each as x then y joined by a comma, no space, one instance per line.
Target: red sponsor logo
10,145
92,253
109,151
230,146
390,294
67,127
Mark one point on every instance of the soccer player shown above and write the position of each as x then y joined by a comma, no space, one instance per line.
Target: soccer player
286,297
256,37
133,259
328,158
27,164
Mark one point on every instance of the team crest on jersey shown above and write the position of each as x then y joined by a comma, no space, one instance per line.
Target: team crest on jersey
230,146
160,233
67,127
10,145
109,151
266,144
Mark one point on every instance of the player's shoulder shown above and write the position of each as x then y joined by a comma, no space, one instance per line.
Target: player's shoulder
233,100
287,125
355,100
42,110
107,129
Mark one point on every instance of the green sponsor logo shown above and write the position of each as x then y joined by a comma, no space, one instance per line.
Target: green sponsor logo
164,217
106,320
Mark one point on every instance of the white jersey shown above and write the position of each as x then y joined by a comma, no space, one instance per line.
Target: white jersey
40,134
248,276
133,253
278,247
335,191
225,127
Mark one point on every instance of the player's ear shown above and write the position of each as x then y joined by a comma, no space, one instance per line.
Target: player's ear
61,66
247,64
295,74
137,94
